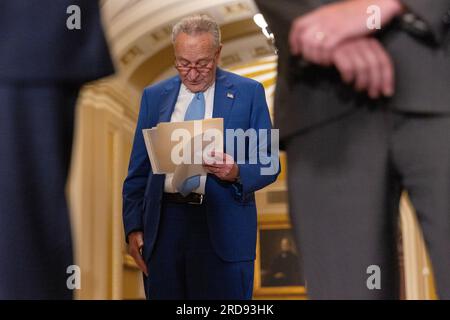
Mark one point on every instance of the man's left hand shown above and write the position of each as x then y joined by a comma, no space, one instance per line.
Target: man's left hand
366,63
222,165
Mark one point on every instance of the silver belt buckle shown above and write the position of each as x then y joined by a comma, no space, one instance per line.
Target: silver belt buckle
198,203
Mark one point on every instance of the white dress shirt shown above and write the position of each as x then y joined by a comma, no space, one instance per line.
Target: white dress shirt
184,99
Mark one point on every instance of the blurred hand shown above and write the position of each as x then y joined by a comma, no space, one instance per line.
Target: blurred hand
316,34
222,165
365,63
135,244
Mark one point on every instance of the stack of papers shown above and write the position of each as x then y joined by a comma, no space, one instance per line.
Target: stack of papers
180,147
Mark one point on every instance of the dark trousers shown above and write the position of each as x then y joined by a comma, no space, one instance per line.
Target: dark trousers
184,264
345,181
36,125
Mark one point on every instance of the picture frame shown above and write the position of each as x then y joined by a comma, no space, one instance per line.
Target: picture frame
278,273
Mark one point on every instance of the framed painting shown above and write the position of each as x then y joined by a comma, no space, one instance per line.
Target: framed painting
278,272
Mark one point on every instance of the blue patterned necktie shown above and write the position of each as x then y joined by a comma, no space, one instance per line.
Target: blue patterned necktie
195,111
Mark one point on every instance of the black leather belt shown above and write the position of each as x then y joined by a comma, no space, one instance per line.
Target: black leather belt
192,198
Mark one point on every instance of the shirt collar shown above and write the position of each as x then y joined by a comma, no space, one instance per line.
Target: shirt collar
185,91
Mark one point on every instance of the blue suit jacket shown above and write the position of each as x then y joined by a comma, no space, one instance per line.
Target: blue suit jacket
231,207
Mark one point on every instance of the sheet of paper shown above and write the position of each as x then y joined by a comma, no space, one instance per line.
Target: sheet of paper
151,139
187,170
184,171
167,138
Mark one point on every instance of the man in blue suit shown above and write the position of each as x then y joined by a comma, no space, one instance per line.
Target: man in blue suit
198,241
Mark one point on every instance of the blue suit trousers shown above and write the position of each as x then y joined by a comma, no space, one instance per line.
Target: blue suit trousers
184,265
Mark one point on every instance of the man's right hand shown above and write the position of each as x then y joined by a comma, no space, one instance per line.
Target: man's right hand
135,245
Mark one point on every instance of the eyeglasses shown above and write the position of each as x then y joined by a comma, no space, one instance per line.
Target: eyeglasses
201,66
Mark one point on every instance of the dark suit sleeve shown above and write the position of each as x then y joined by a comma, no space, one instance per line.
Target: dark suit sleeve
255,176
433,13
138,172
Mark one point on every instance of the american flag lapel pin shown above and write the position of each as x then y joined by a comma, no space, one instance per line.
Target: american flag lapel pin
230,95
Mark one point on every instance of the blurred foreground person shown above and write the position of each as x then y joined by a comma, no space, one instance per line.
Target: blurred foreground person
364,115
43,64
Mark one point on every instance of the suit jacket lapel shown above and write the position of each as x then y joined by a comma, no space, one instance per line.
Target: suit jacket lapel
224,96
169,99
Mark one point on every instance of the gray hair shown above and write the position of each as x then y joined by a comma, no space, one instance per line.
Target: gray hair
195,24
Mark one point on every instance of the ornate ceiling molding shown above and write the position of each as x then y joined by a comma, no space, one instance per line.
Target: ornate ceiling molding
139,33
